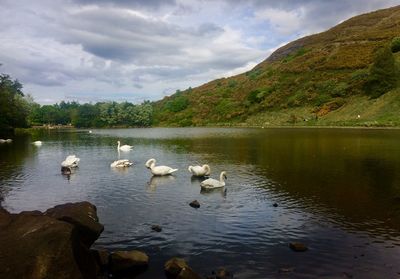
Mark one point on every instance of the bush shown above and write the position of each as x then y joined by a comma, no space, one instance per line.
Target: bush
382,74
178,104
395,45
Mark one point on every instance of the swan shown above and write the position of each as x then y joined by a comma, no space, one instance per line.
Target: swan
124,147
121,163
71,161
213,183
159,170
8,140
2,140
37,143
200,170
90,131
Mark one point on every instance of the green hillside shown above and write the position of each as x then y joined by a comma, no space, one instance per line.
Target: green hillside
348,75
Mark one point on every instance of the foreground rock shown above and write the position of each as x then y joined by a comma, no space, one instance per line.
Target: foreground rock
50,245
132,262
83,216
177,268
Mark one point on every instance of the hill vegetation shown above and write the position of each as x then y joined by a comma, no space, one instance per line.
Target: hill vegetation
348,75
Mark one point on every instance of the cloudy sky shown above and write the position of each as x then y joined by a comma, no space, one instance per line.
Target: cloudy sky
135,50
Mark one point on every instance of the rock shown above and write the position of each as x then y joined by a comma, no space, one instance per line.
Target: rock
195,204
38,246
101,256
83,216
222,273
177,268
156,228
275,205
128,261
298,247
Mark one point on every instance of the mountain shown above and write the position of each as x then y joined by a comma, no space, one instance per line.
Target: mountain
322,79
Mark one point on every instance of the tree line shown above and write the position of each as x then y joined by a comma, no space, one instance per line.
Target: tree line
18,110
101,114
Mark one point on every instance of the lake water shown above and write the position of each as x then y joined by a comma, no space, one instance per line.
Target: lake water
338,191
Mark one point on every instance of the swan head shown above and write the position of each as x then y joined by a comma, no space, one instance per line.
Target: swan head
190,168
223,175
150,162
207,168
118,142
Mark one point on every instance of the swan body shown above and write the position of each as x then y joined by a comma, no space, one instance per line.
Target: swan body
71,161
200,170
159,170
37,143
124,147
5,140
2,140
121,164
213,183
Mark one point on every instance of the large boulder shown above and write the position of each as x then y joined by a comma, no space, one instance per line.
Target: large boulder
34,245
83,216
177,268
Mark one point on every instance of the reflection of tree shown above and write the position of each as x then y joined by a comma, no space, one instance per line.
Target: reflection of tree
12,157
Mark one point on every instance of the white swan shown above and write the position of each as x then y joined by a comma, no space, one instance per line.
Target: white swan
213,183
124,147
159,170
2,140
200,170
71,161
121,163
37,143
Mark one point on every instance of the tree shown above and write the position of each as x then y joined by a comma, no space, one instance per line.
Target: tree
14,109
382,74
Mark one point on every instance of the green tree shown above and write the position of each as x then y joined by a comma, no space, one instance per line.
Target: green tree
382,74
395,45
14,108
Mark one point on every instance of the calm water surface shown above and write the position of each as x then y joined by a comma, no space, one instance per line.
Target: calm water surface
338,191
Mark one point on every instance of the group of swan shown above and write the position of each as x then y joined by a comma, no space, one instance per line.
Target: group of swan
199,171
72,161
5,140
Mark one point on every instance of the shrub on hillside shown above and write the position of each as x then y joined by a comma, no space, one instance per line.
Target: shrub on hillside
177,104
395,45
382,74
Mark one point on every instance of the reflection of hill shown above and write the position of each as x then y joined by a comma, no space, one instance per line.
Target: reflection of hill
355,173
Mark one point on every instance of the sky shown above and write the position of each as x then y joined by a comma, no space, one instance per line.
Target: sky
136,50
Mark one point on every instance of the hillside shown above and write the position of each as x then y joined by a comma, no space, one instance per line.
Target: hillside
317,80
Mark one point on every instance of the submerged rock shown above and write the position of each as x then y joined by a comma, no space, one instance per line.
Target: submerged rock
128,262
195,204
221,273
179,269
35,245
156,228
275,205
298,246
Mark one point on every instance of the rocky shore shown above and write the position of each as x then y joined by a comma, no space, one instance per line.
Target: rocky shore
57,244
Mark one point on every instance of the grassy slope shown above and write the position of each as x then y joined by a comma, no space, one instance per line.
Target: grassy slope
318,78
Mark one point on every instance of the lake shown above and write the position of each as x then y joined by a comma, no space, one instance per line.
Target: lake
337,190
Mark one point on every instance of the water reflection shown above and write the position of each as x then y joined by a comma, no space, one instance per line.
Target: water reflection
156,181
337,190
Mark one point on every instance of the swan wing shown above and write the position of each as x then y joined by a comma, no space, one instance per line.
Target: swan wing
162,170
211,183
198,171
